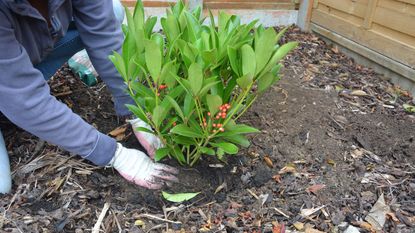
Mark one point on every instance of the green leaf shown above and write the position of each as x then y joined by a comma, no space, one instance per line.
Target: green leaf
137,112
158,115
158,38
149,25
184,140
172,27
281,33
233,59
263,48
210,56
167,72
227,147
161,154
220,153
278,55
186,131
178,154
139,14
248,61
213,102
409,108
208,151
237,139
195,78
238,129
176,107
119,64
265,81
245,81
179,197
188,106
153,59
143,129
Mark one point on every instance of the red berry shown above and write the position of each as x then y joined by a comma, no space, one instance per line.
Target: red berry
174,123
214,125
217,117
208,113
221,129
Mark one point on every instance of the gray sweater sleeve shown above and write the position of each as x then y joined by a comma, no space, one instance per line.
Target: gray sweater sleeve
25,99
102,35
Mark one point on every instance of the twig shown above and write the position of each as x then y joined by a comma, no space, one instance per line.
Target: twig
116,221
252,193
282,213
101,217
158,218
63,93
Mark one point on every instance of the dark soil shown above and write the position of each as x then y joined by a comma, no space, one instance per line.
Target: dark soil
322,145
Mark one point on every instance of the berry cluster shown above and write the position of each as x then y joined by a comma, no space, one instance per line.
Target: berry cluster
216,119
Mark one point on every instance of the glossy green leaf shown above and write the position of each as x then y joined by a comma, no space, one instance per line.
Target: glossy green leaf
149,26
234,60
139,14
245,81
161,154
248,61
238,129
237,139
137,112
176,107
153,59
213,102
195,78
263,45
178,197
208,151
158,115
265,81
278,55
227,147
186,131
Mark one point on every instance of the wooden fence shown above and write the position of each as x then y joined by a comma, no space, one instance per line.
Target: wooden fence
269,12
380,30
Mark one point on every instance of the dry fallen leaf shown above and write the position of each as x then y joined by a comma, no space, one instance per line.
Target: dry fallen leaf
358,93
364,225
287,169
220,187
307,212
277,178
268,161
278,228
392,216
312,230
299,226
117,131
315,188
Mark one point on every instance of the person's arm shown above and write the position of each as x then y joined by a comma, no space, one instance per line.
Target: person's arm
101,33
25,99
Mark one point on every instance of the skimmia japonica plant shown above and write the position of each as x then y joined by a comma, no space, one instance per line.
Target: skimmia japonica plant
193,82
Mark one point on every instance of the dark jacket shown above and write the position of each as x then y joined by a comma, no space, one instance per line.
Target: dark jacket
26,39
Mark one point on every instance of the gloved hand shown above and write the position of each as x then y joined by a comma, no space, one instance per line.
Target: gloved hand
137,167
149,141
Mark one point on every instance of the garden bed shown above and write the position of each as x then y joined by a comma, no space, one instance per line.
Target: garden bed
334,137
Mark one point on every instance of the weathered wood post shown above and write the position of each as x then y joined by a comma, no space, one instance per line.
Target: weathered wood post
304,14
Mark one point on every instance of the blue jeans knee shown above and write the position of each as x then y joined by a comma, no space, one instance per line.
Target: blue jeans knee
70,44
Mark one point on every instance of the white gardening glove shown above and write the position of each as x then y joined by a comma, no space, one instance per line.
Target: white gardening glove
137,167
149,141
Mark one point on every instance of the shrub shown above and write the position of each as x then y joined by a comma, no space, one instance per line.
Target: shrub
193,82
